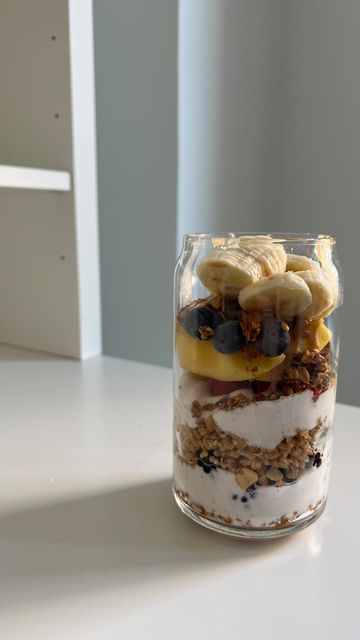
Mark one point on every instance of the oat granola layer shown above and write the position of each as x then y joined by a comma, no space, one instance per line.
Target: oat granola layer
253,461
218,495
262,423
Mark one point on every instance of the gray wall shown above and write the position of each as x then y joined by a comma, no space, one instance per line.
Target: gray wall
136,87
319,147
230,64
270,129
269,139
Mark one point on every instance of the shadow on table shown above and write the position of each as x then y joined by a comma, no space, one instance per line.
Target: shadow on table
9,353
122,538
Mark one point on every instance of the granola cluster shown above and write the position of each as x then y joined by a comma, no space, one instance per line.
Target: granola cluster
310,369
250,324
207,445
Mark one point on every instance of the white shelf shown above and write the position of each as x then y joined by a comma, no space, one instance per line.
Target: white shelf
29,178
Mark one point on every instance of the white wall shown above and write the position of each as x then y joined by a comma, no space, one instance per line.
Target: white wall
49,271
269,128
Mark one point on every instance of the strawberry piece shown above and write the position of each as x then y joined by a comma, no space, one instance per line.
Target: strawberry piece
259,386
222,387
317,391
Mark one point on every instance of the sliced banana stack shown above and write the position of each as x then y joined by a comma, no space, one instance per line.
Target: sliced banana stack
323,291
332,277
322,282
227,271
284,294
300,263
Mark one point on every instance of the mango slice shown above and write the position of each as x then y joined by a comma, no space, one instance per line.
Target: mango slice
316,336
201,357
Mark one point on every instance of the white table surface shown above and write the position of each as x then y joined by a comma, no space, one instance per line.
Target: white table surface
93,546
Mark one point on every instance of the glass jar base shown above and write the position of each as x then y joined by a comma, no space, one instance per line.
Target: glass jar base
246,533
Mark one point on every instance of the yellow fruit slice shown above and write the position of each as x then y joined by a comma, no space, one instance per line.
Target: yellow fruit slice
315,336
201,357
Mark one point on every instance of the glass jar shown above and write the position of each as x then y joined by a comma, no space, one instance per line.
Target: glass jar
255,365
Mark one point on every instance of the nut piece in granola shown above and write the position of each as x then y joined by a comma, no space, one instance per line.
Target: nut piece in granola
246,477
274,474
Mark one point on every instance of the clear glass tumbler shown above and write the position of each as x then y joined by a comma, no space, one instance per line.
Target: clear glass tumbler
255,362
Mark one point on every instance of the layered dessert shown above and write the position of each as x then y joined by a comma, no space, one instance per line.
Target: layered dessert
255,387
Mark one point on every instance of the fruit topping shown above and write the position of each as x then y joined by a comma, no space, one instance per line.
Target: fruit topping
323,290
300,263
203,460
201,322
200,357
317,462
274,338
252,491
227,271
228,337
223,388
259,386
283,294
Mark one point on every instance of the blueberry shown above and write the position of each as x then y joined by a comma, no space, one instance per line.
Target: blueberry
200,317
228,337
273,340
252,491
287,480
205,463
317,460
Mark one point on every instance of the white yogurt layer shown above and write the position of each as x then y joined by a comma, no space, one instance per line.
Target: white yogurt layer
214,492
261,424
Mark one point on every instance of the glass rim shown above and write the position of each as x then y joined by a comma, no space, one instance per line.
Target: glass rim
279,237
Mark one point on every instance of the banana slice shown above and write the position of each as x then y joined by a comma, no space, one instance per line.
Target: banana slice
227,271
300,263
333,279
323,291
284,294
